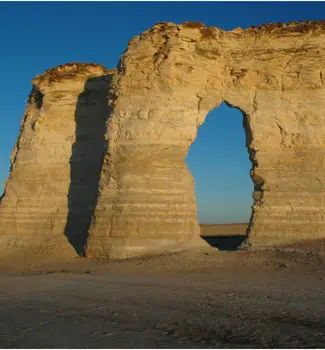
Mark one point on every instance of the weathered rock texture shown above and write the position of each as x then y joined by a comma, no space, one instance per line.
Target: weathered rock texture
169,78
52,188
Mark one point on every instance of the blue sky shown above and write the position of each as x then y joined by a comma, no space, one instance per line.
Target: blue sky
36,36
218,160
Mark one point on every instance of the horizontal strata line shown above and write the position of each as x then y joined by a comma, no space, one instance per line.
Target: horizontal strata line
155,188
316,169
31,221
25,218
35,213
149,205
293,207
51,210
261,221
120,208
34,210
136,221
155,201
151,191
293,195
145,213
99,239
125,216
155,197
289,214
63,218
296,189
39,225
108,191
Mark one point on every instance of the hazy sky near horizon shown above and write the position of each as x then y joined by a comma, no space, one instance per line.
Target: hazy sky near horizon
39,35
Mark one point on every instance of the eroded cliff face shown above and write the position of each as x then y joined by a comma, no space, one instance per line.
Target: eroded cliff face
169,78
59,150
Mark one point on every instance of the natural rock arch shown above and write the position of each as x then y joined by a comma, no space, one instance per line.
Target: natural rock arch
167,81
220,164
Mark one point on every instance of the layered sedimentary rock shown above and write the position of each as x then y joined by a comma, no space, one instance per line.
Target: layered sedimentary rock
167,81
52,188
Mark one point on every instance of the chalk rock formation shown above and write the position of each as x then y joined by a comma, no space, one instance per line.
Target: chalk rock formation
52,187
169,78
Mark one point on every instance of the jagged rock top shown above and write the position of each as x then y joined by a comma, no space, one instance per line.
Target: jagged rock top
277,29
74,73
271,28
73,69
292,27
70,71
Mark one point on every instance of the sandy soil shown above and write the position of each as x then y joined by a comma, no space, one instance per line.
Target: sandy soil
203,298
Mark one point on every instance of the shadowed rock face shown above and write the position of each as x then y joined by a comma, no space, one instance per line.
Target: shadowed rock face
110,173
86,159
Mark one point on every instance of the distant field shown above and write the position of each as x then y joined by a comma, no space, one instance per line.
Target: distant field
223,229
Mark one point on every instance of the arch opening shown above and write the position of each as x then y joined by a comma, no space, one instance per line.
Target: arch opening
220,164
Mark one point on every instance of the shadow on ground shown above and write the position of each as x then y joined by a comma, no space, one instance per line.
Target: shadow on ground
233,242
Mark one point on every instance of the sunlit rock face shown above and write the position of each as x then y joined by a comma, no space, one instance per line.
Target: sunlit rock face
59,151
131,192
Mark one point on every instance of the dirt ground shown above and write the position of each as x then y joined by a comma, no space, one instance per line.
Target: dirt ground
203,298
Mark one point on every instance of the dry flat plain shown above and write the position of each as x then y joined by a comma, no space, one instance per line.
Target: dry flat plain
204,298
